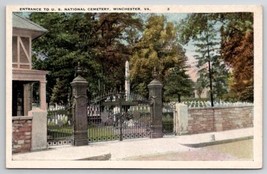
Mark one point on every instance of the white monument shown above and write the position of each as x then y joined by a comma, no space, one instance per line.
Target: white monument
127,80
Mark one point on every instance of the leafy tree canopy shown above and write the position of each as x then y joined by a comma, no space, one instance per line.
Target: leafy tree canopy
235,31
99,41
158,47
178,84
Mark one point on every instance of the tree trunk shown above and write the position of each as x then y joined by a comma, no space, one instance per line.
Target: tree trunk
179,98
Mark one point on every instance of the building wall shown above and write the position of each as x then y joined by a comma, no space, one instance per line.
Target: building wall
21,134
201,120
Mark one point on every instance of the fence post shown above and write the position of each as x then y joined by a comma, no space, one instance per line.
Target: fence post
79,110
181,119
155,96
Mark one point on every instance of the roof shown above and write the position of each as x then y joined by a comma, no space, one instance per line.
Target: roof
20,22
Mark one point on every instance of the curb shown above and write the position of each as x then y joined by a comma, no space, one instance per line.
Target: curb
210,143
104,157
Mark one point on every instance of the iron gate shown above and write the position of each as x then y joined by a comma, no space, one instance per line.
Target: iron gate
59,126
167,119
110,117
113,117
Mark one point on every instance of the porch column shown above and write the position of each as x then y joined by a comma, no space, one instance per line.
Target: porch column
27,98
43,95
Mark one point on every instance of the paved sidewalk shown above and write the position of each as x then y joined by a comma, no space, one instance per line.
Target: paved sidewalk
116,150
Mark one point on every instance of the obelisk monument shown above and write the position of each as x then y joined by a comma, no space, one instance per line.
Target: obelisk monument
127,81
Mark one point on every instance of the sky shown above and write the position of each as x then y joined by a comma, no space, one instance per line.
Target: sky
190,49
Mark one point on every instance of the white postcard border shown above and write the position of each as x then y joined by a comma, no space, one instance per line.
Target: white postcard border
258,85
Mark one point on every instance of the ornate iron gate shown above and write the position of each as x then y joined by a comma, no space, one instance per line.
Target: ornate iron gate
167,119
110,117
59,126
113,117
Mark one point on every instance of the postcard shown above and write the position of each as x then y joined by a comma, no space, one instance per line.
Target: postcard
134,86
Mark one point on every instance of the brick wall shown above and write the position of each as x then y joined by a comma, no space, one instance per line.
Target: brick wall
21,134
201,120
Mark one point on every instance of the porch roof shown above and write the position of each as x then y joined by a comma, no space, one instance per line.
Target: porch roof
29,75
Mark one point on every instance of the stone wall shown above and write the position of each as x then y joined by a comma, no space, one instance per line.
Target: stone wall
201,120
21,134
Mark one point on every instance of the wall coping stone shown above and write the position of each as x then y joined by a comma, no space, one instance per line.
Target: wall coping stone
22,118
220,107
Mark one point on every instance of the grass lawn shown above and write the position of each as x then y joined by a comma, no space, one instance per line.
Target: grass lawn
102,133
94,133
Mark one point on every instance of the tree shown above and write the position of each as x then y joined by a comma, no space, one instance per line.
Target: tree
210,64
55,50
158,47
236,43
97,40
116,34
221,78
57,95
201,84
177,84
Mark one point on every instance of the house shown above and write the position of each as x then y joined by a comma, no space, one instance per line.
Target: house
29,125
23,76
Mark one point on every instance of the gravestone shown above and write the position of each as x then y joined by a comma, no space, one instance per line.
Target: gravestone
155,96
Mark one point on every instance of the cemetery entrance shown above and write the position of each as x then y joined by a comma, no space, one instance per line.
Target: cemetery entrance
110,117
113,116
116,116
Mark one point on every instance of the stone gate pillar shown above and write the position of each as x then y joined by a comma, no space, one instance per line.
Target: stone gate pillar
79,110
155,96
181,119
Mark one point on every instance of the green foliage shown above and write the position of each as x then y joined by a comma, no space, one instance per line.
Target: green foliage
177,84
235,41
101,133
211,67
99,41
201,83
158,47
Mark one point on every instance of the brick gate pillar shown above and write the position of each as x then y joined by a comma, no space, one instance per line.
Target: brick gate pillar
79,110
155,96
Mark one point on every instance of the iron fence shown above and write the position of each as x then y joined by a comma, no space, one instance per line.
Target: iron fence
167,123
59,126
117,125
106,124
167,118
